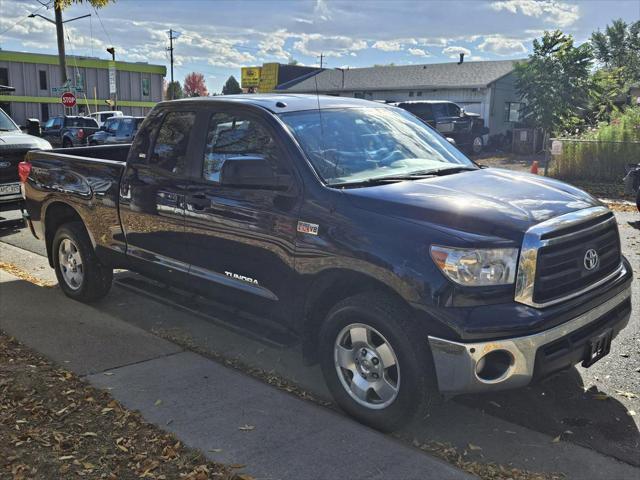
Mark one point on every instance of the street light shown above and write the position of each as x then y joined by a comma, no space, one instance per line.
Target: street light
58,22
34,15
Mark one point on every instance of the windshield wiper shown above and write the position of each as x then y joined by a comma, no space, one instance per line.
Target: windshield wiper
445,170
380,180
407,176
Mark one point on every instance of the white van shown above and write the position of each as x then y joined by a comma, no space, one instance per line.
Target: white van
103,115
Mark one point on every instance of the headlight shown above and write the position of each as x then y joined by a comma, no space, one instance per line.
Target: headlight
477,267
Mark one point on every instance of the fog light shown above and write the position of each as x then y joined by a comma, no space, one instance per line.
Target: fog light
494,365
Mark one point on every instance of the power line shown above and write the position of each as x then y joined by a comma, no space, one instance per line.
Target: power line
103,29
25,18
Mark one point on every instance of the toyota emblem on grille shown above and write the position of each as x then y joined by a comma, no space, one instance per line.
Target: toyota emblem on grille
591,259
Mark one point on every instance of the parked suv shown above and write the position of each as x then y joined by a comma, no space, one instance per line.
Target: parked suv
116,130
14,144
467,129
399,265
69,131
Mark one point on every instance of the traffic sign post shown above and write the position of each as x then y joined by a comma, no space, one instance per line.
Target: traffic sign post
68,99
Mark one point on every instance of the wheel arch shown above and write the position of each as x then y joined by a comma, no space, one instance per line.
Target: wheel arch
326,290
56,214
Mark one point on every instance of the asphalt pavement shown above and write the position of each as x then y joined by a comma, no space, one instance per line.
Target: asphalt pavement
557,426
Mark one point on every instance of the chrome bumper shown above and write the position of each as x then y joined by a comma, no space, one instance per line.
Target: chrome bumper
456,363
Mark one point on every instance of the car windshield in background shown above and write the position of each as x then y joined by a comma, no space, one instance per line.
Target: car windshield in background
354,145
6,124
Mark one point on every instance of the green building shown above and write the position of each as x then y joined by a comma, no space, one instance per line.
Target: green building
37,82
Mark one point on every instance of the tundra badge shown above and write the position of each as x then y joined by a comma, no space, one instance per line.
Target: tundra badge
310,228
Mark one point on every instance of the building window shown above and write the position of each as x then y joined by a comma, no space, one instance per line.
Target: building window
146,87
513,111
358,94
419,94
411,94
4,76
43,79
44,112
6,107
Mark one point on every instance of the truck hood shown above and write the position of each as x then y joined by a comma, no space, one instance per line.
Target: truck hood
488,202
16,140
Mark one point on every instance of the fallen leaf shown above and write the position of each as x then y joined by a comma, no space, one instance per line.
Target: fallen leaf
557,439
158,403
473,447
600,396
246,428
631,413
237,466
89,434
495,404
108,374
626,394
215,450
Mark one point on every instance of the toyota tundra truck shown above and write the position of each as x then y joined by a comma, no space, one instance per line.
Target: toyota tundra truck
403,268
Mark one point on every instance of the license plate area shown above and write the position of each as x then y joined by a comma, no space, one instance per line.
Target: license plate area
9,189
598,347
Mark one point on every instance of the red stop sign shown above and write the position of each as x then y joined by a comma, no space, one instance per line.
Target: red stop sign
68,99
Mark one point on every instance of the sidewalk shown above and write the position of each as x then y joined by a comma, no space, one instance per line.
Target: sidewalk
231,417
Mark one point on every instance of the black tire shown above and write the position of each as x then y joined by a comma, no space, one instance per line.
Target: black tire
66,143
638,200
417,385
96,278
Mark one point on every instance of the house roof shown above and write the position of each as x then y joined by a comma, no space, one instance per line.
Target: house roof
434,75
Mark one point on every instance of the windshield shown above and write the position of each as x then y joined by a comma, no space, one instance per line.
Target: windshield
6,124
363,144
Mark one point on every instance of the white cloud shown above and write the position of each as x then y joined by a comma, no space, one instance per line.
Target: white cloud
502,45
419,52
454,52
388,45
322,10
330,46
559,13
273,45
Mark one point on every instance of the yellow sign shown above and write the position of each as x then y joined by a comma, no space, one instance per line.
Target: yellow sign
268,77
250,77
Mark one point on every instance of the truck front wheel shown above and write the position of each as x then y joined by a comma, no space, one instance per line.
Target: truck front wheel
374,365
80,274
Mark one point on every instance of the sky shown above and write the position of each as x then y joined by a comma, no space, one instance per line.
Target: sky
217,37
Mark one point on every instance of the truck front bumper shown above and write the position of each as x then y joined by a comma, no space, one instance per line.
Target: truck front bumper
515,362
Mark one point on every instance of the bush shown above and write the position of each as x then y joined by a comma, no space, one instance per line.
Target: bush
602,153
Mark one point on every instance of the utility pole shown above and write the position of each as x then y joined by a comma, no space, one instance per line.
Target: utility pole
170,49
321,59
60,34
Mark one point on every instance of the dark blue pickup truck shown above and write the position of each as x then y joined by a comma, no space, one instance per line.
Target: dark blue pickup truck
403,268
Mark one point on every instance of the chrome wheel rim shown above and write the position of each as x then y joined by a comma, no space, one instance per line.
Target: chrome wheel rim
70,264
367,366
477,144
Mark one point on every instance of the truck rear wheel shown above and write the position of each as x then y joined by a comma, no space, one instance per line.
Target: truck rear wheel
374,366
80,274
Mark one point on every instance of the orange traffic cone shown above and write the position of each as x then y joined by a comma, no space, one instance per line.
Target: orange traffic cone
534,167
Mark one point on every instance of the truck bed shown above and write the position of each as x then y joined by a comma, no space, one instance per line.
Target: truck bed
87,179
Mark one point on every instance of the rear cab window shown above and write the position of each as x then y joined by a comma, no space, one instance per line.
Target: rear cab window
171,143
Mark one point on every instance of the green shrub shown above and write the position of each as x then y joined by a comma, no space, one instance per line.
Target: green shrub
600,154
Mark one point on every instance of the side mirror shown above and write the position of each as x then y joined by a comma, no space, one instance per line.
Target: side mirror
252,172
33,127
462,112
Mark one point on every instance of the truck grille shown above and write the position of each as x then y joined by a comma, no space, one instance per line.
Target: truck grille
561,265
9,173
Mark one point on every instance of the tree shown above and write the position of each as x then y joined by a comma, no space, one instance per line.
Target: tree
231,86
619,47
194,85
62,4
555,81
176,89
292,61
